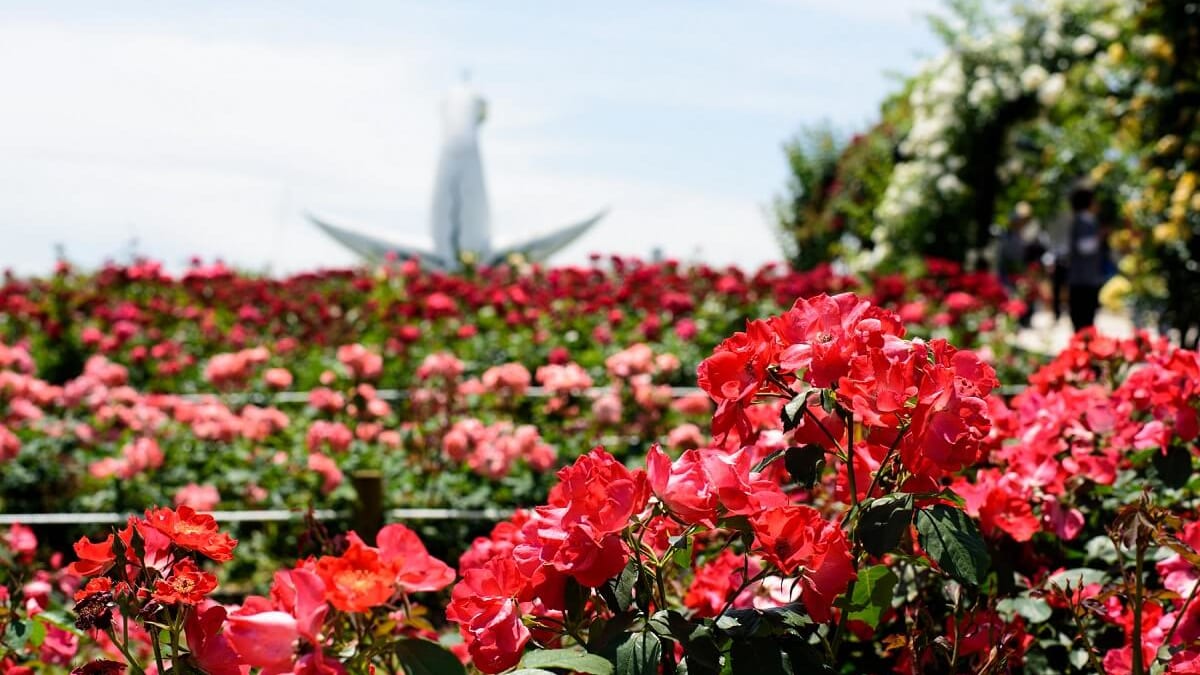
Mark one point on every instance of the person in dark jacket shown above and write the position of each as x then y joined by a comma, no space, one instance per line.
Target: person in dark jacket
1086,254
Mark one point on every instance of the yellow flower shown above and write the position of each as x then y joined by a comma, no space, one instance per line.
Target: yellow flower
1128,265
1166,233
1114,292
1167,144
1184,189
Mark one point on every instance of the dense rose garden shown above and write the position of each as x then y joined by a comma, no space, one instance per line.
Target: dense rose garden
711,471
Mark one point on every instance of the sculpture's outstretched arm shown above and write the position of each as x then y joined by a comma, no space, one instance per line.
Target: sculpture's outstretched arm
541,247
375,248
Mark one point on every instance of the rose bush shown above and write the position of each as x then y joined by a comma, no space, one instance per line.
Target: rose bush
867,502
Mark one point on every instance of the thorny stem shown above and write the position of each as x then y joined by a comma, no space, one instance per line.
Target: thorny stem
883,464
1138,666
123,647
836,444
158,659
749,581
566,630
842,620
853,484
1087,643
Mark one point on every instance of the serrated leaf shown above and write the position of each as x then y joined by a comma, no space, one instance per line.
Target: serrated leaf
682,555
804,464
532,671
638,654
757,657
951,538
602,633
884,522
872,595
793,410
571,660
422,657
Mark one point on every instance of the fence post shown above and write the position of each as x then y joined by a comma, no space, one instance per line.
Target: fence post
368,508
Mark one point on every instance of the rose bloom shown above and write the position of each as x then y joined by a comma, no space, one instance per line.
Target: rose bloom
187,584
487,606
198,497
278,378
796,536
193,531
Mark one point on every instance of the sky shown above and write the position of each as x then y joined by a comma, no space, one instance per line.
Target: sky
173,130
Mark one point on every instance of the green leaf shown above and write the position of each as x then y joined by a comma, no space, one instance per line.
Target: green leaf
59,620
638,654
532,671
757,657
951,538
803,657
804,464
872,595
422,657
884,522
1035,610
768,460
1174,467
576,596
701,653
602,632
16,636
683,551
38,634
793,411
571,660
1076,578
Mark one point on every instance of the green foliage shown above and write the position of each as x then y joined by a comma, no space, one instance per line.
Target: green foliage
872,595
884,523
422,657
812,157
570,660
952,539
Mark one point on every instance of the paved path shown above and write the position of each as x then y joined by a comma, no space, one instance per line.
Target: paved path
1048,336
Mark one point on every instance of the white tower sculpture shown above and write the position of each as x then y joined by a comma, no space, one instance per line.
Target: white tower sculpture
460,222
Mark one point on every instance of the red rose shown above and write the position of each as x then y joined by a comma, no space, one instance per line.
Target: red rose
357,580
193,531
797,537
187,585
414,569
734,373
486,605
94,558
600,491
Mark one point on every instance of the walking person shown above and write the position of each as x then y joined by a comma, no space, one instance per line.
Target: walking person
1085,275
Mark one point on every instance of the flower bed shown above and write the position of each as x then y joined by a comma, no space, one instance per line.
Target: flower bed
868,504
